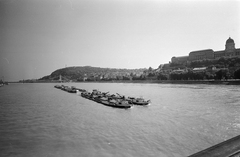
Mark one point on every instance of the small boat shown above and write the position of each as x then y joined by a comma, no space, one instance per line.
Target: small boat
80,90
70,89
58,86
138,101
66,88
115,96
75,88
96,92
116,103
86,95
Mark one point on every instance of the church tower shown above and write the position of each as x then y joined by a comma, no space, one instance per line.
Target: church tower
230,47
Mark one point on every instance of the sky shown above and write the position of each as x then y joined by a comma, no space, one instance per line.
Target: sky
38,37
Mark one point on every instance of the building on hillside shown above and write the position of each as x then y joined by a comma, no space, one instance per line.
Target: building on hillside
179,60
179,71
219,54
230,51
200,69
200,55
166,68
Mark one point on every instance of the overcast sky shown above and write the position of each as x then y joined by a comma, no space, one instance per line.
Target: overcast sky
38,37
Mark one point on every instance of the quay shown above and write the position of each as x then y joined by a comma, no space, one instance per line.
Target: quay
229,148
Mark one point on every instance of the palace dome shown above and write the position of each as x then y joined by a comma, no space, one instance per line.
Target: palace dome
230,40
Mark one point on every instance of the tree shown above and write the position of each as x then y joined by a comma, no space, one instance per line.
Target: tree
162,76
237,74
222,74
150,69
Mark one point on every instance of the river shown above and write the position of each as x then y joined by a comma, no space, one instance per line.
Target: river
39,120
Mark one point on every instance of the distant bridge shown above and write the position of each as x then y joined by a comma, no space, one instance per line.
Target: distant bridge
60,78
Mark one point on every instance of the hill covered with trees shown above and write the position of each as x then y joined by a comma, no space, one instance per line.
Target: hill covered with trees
80,73
216,69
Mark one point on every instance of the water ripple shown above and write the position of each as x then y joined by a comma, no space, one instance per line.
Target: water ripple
39,120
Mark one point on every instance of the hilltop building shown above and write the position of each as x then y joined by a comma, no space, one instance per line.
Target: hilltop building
230,51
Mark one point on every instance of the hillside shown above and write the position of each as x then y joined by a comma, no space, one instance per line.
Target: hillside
78,73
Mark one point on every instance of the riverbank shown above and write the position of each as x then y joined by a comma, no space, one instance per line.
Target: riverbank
221,82
224,82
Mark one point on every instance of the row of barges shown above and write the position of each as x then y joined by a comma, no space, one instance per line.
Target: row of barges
112,100
68,89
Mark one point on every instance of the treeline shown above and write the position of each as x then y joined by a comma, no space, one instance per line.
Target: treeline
217,69
221,74
79,72
203,75
228,68
223,62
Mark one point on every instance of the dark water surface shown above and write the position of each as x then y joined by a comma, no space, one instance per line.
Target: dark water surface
40,120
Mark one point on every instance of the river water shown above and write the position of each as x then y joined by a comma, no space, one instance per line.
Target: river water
39,120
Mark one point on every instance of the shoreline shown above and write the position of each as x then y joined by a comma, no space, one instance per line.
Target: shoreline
209,82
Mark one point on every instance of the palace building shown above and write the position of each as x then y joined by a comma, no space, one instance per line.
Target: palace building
230,51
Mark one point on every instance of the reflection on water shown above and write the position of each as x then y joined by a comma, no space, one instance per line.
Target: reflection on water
39,120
